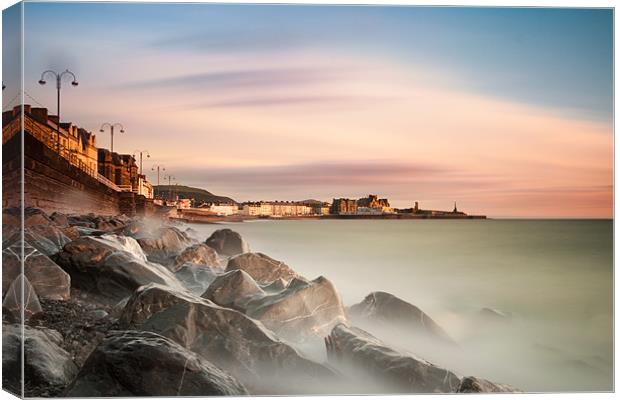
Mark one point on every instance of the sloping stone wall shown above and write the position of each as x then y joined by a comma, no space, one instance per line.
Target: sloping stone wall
53,184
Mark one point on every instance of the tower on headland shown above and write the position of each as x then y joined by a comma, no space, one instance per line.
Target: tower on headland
455,210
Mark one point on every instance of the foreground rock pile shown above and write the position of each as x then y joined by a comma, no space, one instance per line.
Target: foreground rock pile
115,306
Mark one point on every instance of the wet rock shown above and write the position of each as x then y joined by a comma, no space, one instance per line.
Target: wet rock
60,219
276,286
386,310
227,242
234,289
131,363
84,231
197,254
261,267
126,244
196,278
34,216
81,221
47,278
398,372
240,345
45,362
48,239
164,244
149,300
302,310
471,384
97,266
13,300
71,232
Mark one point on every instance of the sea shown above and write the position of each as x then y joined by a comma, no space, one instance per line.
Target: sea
548,282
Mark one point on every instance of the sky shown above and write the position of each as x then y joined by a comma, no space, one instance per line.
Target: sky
507,111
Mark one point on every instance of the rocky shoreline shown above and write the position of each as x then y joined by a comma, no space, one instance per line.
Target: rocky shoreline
119,306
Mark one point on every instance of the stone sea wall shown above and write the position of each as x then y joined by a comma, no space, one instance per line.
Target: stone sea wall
52,184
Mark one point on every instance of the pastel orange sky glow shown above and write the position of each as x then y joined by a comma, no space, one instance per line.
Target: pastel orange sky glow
477,113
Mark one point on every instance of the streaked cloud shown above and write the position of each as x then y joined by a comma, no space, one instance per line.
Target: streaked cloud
274,103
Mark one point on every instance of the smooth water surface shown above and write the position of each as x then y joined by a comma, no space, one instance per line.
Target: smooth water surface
555,277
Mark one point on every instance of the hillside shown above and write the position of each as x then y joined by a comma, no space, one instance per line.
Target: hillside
188,192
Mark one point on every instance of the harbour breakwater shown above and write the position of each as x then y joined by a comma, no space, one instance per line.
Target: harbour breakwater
149,307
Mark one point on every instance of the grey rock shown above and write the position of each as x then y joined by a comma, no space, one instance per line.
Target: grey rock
261,267
131,363
99,267
276,286
59,219
196,278
399,372
45,362
227,242
149,300
240,345
164,244
386,310
234,289
48,239
200,254
303,310
471,384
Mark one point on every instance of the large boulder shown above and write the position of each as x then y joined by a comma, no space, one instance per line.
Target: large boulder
261,267
276,286
131,363
48,279
149,300
234,289
471,384
164,244
196,278
14,302
358,352
200,254
45,362
48,239
240,345
381,309
303,310
100,267
227,242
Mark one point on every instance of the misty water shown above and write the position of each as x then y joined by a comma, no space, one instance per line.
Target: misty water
555,279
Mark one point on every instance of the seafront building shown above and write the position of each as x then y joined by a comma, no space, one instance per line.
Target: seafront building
220,209
79,147
276,209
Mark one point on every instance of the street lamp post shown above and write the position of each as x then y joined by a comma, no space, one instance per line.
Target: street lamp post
140,152
159,167
111,126
58,77
170,178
